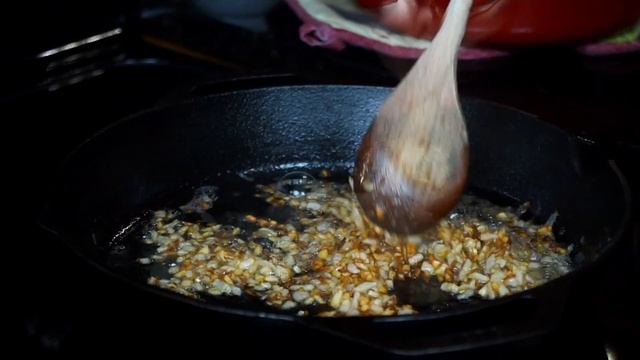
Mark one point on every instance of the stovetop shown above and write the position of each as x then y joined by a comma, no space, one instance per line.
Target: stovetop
55,97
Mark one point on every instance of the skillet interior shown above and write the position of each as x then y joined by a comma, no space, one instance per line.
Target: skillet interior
134,165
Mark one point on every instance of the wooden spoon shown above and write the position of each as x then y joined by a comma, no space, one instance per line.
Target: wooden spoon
412,165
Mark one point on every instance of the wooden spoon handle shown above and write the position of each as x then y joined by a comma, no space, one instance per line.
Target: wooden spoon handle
453,28
439,60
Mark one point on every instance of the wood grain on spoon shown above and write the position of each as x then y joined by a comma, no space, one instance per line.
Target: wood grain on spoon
412,165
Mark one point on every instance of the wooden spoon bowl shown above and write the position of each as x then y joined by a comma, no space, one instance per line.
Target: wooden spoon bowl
412,165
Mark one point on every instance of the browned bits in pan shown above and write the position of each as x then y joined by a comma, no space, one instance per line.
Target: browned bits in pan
331,255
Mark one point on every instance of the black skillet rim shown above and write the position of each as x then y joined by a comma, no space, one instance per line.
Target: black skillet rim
463,310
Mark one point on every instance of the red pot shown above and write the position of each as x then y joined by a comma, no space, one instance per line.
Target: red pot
508,23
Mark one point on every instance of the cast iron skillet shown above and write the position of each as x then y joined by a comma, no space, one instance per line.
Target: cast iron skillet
143,161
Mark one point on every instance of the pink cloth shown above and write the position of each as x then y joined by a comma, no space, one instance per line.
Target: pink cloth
316,33
601,49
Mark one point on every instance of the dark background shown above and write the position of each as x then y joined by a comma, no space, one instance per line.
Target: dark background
167,51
